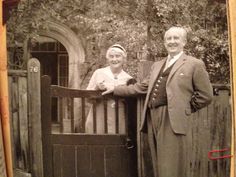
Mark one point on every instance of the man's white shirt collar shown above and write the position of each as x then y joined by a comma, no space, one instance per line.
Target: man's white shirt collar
171,61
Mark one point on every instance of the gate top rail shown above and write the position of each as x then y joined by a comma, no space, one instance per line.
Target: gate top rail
59,91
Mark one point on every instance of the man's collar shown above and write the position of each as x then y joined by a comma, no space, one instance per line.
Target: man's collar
176,56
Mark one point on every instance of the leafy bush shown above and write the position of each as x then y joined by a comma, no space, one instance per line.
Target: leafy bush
138,25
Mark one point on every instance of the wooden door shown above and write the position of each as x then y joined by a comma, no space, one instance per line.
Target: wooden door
80,154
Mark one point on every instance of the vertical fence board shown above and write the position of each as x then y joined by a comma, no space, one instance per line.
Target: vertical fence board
210,116
35,117
15,122
23,122
19,122
10,81
203,146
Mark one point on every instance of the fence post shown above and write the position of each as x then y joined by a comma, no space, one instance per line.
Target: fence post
35,131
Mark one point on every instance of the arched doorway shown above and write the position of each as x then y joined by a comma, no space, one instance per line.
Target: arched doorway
54,60
73,46
70,56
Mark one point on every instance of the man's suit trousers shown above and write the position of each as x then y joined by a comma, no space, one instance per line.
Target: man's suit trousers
170,152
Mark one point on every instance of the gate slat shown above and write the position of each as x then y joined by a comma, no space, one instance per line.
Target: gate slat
71,112
117,115
57,161
113,161
83,161
46,125
105,116
94,117
60,114
97,161
83,114
68,161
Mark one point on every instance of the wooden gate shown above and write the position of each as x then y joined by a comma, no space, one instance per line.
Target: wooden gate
79,154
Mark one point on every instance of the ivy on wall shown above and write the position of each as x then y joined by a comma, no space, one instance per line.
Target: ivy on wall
138,25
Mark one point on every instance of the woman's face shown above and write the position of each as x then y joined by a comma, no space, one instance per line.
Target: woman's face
115,59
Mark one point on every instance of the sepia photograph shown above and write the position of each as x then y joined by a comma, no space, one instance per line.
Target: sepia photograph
117,88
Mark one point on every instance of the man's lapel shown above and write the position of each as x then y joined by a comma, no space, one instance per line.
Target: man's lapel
178,63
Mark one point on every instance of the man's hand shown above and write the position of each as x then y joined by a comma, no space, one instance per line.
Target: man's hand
109,89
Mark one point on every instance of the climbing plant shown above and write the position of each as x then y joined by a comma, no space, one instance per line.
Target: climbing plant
138,25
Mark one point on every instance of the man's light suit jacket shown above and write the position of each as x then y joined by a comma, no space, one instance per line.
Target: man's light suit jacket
188,89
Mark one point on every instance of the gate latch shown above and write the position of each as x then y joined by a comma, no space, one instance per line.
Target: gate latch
129,144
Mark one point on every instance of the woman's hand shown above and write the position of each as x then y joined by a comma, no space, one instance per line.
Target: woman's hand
101,85
106,87
109,89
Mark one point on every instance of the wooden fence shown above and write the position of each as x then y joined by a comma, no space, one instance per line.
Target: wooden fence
19,119
211,130
25,117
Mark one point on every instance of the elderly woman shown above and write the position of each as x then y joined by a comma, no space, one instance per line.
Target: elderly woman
115,75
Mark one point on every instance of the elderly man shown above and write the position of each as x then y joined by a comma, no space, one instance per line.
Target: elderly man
176,87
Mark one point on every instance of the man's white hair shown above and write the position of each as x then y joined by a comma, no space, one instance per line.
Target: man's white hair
180,30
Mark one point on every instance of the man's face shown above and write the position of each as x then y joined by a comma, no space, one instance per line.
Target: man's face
174,42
